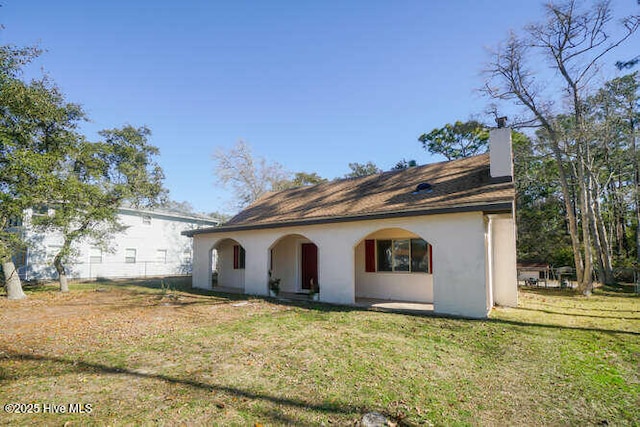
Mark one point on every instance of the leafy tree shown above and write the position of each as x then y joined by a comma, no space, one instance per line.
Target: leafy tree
359,169
223,217
458,140
183,207
45,161
540,218
249,176
613,118
37,129
300,179
405,164
97,180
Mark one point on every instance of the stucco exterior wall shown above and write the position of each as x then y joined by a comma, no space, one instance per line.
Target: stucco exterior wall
505,273
458,241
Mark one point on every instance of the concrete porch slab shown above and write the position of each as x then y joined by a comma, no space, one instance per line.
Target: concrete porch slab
395,306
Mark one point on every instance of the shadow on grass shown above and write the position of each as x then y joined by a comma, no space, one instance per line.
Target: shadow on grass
595,316
566,328
328,308
556,292
164,287
77,366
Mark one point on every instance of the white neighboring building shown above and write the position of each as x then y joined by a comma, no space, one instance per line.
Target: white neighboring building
151,245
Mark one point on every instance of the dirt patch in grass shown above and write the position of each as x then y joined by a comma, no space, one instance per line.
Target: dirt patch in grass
143,353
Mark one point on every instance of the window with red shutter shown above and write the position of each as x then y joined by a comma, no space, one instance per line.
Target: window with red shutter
398,255
236,257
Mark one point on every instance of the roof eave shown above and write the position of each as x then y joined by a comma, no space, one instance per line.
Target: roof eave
495,207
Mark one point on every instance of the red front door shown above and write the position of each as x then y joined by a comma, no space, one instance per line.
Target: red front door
309,265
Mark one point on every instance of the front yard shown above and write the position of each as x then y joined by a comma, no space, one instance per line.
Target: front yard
146,353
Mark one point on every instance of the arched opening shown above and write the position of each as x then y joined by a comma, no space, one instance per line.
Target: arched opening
227,261
394,264
294,260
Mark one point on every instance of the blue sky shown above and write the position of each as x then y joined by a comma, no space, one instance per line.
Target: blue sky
313,85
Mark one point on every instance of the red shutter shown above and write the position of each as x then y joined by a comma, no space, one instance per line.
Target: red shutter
370,256
236,257
430,259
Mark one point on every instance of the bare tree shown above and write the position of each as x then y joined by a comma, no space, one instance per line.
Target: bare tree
249,176
573,40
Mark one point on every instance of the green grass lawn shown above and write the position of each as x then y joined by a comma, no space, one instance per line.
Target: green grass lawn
143,353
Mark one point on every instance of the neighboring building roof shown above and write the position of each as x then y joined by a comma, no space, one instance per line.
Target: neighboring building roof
456,186
533,266
159,212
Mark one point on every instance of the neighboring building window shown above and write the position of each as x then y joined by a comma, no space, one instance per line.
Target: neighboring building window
186,256
95,256
398,255
40,210
146,219
238,257
15,221
20,259
130,256
161,256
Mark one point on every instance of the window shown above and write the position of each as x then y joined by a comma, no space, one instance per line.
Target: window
40,210
15,221
385,255
186,256
20,258
130,256
420,255
146,219
398,255
161,256
239,256
95,256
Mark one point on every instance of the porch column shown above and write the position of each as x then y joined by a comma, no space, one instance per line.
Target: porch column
336,270
201,264
503,251
256,273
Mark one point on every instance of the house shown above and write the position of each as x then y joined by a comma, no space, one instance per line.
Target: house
531,273
150,245
442,233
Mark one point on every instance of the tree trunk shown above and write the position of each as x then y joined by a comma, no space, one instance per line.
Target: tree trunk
598,248
585,283
603,239
636,181
62,275
571,216
12,282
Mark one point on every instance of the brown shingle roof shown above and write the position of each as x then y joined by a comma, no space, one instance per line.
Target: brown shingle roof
456,185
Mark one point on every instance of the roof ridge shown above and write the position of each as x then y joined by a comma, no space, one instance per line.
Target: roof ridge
355,178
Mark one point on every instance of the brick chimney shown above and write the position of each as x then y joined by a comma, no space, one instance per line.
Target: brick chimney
500,151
